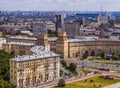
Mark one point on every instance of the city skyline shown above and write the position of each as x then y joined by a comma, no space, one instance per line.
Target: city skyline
59,5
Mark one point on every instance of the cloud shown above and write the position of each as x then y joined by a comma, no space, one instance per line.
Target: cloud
80,5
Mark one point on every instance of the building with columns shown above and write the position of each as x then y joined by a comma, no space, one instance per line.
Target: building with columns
34,63
75,48
30,70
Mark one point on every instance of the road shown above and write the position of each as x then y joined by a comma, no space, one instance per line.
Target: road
79,78
87,64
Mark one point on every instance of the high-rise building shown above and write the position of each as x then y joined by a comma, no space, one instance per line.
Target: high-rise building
39,27
59,20
102,20
72,28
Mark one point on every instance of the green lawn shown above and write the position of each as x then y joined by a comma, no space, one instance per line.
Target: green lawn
84,71
97,83
92,67
75,74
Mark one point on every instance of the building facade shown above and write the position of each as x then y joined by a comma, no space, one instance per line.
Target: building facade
22,39
72,28
59,21
102,20
75,48
31,70
39,27
18,48
34,63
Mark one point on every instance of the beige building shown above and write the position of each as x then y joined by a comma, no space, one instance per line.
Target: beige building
75,48
34,64
2,42
22,39
30,70
19,48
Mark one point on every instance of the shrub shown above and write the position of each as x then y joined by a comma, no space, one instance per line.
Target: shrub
108,78
101,76
85,80
72,67
91,80
61,83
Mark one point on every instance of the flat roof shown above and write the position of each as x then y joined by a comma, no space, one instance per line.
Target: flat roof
34,57
20,43
22,37
40,52
80,40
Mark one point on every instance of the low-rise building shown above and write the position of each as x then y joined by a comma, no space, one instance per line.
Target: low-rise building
2,42
19,48
22,39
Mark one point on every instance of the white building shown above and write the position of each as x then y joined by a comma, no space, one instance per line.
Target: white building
2,41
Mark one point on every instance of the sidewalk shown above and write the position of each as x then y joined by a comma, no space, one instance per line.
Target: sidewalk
117,85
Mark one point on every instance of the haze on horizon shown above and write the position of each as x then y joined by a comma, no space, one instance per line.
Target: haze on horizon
60,5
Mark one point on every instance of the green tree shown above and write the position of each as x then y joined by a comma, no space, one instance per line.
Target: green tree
61,72
18,32
5,69
72,67
61,83
102,55
64,63
115,57
86,54
92,53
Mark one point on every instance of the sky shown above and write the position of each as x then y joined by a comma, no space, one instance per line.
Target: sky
60,5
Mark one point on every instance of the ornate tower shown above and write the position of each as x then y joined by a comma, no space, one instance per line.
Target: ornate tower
62,45
42,39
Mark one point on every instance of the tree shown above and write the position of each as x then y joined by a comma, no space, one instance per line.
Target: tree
86,54
64,63
61,83
93,53
18,32
102,55
61,72
72,67
115,57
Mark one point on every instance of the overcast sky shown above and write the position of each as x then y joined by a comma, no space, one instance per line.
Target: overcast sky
60,5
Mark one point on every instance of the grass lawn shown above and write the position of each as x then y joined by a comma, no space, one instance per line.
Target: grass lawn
96,83
75,74
84,71
92,67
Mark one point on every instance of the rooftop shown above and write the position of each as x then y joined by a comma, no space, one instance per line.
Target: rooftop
22,37
52,38
34,57
40,52
21,43
78,40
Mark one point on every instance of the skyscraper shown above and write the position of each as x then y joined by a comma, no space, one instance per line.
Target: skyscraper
59,20
39,27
